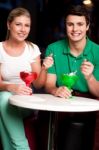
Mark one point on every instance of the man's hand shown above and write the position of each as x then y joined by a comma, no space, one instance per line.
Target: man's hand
48,61
63,92
87,69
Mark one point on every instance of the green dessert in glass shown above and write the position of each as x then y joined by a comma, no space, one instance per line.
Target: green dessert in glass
69,80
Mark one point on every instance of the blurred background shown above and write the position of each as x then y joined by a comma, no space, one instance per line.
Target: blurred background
48,19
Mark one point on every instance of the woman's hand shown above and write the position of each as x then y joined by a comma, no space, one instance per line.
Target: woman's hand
48,62
63,92
20,89
87,69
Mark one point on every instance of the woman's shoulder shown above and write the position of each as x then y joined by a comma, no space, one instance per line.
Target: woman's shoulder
1,47
32,45
1,43
33,48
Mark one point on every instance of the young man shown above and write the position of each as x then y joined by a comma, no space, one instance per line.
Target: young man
75,53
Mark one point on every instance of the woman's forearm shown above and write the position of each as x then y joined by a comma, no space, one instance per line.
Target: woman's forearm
5,87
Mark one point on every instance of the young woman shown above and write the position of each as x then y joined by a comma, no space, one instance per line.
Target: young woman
16,55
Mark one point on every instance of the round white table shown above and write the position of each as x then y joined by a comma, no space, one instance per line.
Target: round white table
51,103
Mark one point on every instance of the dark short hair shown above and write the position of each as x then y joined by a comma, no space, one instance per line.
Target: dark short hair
79,10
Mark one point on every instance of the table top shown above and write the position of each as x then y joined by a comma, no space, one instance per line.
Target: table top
51,103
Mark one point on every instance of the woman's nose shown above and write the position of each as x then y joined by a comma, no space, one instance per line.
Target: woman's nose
23,28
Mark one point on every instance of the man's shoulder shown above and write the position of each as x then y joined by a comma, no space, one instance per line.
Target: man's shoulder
59,43
93,48
92,43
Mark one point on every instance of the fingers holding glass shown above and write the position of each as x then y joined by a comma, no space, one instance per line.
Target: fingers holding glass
63,92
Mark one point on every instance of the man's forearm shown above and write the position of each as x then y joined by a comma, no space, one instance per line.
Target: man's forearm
51,90
93,85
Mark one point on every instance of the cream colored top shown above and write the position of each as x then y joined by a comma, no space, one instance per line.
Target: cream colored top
12,66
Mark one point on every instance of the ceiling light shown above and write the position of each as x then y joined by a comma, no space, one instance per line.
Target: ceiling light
87,2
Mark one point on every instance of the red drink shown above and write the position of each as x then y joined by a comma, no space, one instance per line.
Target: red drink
28,78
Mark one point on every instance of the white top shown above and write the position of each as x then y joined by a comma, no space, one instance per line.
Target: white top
51,103
12,66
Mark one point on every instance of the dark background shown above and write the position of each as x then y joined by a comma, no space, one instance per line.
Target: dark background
47,19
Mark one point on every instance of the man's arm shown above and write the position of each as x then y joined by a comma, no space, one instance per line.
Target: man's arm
51,88
87,70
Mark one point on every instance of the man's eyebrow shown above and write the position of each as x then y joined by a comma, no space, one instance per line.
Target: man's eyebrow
74,22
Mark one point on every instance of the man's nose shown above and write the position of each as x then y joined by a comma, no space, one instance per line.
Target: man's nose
74,27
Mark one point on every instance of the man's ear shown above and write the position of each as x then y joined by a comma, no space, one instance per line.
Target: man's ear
88,25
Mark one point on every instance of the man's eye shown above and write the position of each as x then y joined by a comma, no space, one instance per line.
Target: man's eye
80,24
69,24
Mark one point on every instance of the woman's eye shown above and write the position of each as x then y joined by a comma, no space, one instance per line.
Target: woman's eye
27,25
18,24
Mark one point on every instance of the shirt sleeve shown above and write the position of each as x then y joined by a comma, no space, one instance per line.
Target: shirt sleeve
1,59
34,52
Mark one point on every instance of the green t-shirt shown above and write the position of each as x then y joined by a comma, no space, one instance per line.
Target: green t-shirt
65,62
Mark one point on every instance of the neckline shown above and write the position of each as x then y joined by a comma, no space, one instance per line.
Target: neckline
7,54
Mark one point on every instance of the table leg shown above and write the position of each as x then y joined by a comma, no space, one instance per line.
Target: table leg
52,131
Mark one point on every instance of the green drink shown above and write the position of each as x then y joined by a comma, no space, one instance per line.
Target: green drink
69,80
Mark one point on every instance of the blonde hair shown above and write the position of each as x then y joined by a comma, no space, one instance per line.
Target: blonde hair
19,11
